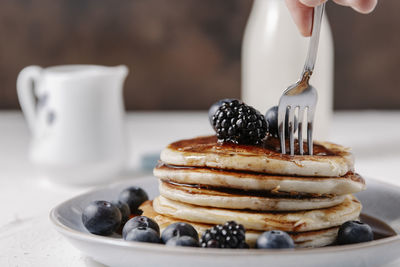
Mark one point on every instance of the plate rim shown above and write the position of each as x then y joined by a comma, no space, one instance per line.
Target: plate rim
160,248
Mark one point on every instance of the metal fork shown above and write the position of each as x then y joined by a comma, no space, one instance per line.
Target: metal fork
301,96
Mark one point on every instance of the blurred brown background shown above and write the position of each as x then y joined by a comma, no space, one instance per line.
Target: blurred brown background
185,54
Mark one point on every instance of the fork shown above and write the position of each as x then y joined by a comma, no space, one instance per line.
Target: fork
301,96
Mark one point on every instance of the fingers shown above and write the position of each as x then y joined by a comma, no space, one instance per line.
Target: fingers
362,6
312,3
302,16
302,10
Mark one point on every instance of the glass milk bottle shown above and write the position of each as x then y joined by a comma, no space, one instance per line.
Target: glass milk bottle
273,56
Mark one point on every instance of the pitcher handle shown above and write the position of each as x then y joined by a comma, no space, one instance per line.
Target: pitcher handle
26,94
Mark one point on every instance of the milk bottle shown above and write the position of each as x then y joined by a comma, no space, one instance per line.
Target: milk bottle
273,55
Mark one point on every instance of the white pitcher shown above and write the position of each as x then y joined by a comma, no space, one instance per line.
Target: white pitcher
76,117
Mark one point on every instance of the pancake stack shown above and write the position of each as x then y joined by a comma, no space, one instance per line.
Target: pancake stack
204,182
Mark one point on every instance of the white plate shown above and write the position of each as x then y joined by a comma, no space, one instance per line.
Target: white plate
379,200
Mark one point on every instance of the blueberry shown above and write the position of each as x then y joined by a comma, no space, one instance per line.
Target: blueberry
124,209
179,229
101,217
133,196
352,232
182,241
275,239
214,107
143,234
271,116
140,221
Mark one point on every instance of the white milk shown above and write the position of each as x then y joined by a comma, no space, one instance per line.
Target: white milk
273,56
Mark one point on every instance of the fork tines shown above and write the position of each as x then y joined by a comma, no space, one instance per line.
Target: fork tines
289,110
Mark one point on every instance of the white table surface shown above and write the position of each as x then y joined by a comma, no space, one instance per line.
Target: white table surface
26,235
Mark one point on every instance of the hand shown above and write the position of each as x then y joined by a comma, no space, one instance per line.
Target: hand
302,10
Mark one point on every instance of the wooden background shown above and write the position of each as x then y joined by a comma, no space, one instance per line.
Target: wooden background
185,54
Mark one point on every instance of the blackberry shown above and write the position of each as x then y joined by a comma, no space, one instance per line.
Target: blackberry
228,235
236,122
214,107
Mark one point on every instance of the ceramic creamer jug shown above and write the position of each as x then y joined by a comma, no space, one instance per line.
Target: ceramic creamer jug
75,114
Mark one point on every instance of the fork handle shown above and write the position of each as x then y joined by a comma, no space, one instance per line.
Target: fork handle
313,46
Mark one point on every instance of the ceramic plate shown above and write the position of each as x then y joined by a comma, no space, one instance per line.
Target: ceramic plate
379,200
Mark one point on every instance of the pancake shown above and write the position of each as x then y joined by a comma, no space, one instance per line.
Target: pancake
317,238
329,160
347,184
239,199
298,221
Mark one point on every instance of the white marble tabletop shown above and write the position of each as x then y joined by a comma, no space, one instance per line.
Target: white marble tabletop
26,235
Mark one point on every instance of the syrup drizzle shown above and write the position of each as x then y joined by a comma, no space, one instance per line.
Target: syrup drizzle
380,228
